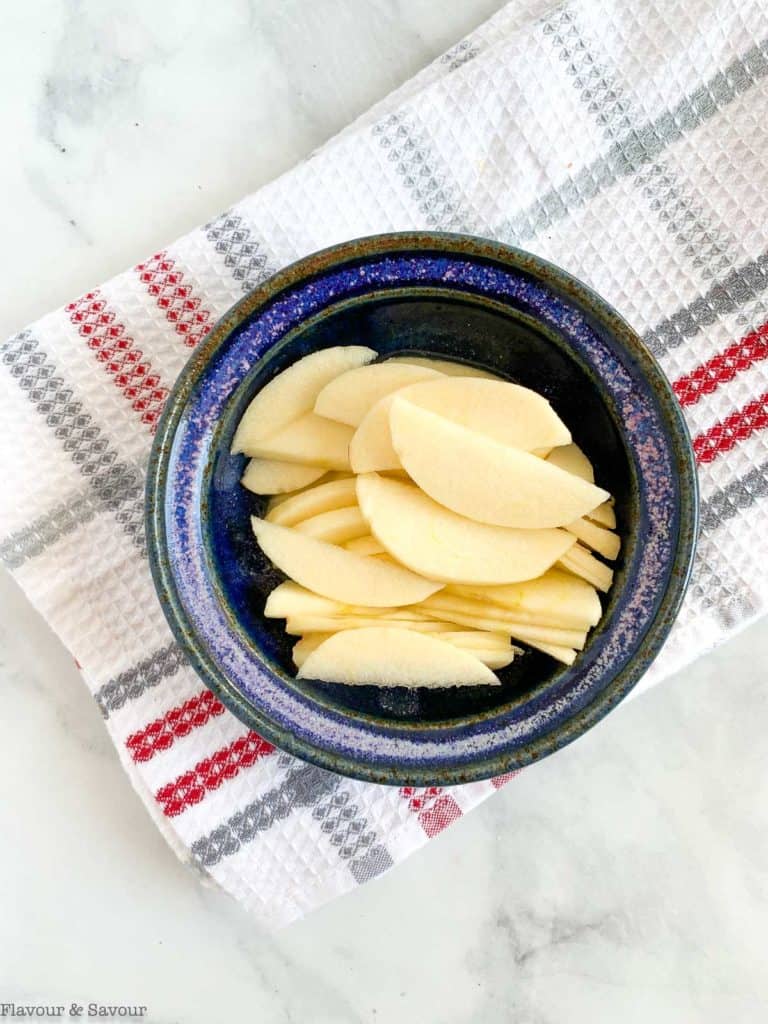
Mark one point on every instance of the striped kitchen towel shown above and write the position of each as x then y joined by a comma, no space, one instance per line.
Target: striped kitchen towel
627,142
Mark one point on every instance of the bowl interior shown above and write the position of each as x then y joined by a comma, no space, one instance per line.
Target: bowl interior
424,322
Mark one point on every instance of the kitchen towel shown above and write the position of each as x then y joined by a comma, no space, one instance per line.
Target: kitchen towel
627,142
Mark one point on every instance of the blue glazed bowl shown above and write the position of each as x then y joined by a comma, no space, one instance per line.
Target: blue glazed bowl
442,295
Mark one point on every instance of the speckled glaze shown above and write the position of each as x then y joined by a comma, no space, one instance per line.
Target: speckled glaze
445,295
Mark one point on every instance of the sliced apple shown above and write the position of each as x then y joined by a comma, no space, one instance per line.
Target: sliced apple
327,477
302,650
482,479
557,599
604,515
604,542
309,439
508,413
341,575
299,625
386,656
267,476
478,639
491,648
448,367
336,526
349,397
289,600
446,546
581,563
490,617
371,446
572,459
292,393
367,545
564,654
314,501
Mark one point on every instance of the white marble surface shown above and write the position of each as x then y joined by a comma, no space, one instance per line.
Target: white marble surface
624,879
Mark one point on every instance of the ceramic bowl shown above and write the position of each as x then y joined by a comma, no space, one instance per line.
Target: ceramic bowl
447,296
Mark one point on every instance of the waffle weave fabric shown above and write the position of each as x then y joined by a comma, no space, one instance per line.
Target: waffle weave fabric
627,143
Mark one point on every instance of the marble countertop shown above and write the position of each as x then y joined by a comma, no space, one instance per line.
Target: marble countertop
624,879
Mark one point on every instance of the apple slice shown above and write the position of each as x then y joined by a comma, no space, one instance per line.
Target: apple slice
349,397
477,477
371,446
309,439
341,575
491,648
478,639
293,392
289,600
302,650
564,654
572,459
490,617
556,599
299,625
604,542
497,409
448,367
492,655
336,526
581,563
386,656
367,545
438,543
604,515
312,502
267,476
506,412
327,477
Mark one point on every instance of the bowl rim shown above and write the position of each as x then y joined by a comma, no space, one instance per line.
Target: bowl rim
370,246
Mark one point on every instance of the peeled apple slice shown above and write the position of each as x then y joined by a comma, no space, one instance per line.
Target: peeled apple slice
477,477
581,563
506,412
324,498
299,625
564,654
335,527
366,546
604,542
387,656
370,449
293,392
266,476
573,460
478,616
339,574
556,598
327,477
289,600
604,515
349,397
478,639
490,648
440,544
447,366
302,650
309,439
